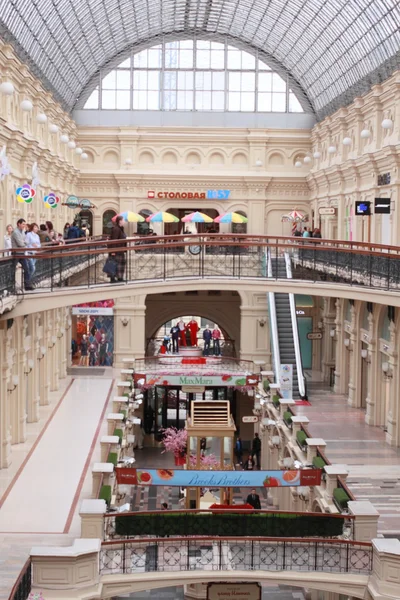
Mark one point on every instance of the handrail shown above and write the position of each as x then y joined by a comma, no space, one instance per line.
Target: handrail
293,318
318,515
23,581
199,538
273,323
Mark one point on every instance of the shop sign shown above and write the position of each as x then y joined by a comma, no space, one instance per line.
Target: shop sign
314,335
233,591
382,206
190,195
202,380
193,389
250,419
72,201
363,208
85,203
327,211
286,381
92,310
194,478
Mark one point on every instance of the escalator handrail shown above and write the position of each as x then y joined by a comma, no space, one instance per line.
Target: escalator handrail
274,325
296,341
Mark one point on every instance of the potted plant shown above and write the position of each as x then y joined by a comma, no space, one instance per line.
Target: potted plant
175,441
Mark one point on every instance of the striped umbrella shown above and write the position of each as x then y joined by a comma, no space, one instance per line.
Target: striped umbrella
162,217
231,217
294,217
129,216
197,217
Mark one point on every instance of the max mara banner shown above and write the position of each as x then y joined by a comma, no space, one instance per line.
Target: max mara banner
183,478
210,380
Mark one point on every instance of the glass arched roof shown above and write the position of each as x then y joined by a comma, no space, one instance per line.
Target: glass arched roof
333,50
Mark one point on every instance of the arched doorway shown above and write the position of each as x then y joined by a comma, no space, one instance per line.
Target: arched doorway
179,227
107,221
85,219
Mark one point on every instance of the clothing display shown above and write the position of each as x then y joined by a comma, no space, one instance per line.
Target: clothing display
193,328
182,330
216,336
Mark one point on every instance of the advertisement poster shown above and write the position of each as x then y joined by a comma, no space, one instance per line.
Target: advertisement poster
183,478
286,381
233,591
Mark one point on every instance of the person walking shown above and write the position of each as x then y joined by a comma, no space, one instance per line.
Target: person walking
7,240
18,242
118,233
216,336
239,451
254,500
207,335
256,450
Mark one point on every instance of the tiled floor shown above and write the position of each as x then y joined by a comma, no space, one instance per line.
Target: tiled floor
374,468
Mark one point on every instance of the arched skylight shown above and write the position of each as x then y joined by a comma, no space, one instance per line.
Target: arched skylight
192,75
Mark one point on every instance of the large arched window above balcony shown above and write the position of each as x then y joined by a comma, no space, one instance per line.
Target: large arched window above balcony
194,75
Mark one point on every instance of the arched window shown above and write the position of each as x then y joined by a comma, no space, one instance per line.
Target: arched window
193,75
107,221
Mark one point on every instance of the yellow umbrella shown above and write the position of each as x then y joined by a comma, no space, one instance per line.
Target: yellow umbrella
129,216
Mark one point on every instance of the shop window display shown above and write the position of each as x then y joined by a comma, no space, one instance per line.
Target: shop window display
93,337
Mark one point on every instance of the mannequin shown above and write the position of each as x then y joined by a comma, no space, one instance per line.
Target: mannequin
84,351
175,334
103,349
207,335
216,336
193,327
182,328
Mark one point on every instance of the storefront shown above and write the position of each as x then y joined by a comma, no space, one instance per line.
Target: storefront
93,334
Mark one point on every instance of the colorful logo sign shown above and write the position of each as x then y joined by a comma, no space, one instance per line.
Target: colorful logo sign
72,201
51,200
25,193
183,478
85,203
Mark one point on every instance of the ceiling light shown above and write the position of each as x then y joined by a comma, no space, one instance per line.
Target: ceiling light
53,128
317,154
71,144
258,163
298,164
41,118
346,141
128,161
7,88
84,156
307,160
387,124
365,134
26,105
78,151
64,139
331,149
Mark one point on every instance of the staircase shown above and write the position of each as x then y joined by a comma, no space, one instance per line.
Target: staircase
284,323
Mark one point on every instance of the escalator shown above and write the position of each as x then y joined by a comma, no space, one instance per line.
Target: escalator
284,332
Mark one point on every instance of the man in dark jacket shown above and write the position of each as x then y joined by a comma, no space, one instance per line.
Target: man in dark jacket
74,233
256,449
118,233
254,500
207,335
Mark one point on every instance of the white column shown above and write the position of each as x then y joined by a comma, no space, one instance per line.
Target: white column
129,328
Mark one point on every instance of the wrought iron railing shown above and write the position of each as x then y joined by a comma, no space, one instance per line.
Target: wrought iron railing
250,554
210,256
22,587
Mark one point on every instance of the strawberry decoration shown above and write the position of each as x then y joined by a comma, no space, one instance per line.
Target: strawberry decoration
271,482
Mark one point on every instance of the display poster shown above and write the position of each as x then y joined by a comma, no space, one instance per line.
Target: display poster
222,380
233,591
286,382
211,479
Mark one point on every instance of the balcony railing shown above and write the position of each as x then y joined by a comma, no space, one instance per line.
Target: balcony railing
22,587
249,554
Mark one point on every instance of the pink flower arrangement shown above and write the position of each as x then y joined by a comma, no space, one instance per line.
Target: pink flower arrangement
36,596
207,462
174,440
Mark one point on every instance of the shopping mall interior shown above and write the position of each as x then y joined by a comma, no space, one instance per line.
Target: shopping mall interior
199,300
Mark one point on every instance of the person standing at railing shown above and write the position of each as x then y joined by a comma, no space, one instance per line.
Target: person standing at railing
118,233
7,240
18,242
32,241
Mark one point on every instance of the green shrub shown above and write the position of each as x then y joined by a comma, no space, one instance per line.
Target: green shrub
318,462
228,524
123,412
341,497
112,458
266,387
119,433
276,401
105,494
301,438
287,417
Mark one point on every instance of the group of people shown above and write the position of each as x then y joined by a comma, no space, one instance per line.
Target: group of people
24,240
254,459
307,232
186,334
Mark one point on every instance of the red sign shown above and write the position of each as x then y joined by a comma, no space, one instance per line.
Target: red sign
176,195
310,477
252,379
151,194
137,377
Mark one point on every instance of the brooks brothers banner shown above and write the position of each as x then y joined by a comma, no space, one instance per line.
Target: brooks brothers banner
182,478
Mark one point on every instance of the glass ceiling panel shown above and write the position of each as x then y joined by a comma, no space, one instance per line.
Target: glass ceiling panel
331,50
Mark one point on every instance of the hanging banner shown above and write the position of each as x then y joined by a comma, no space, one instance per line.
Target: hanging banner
183,478
286,381
203,380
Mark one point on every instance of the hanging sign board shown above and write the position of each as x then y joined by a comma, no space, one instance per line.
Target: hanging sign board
250,419
327,211
363,208
92,310
193,389
286,381
314,335
72,201
382,206
227,380
233,591
183,478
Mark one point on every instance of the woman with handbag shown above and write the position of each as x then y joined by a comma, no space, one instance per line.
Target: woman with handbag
118,233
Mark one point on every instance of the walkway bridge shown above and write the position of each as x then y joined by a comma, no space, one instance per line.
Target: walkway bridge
73,273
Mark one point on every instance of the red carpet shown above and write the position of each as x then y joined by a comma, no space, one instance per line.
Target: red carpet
303,403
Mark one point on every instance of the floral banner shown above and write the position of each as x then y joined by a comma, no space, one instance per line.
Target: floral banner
183,478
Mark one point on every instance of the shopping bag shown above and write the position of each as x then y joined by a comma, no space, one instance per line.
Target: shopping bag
110,267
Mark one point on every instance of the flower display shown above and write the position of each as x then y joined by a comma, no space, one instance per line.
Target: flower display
36,596
25,193
174,440
51,200
207,462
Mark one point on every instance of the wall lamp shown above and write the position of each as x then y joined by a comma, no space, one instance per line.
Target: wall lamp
53,341
42,352
303,493
29,367
347,343
262,322
13,383
387,371
276,441
364,355
332,333
124,321
60,334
